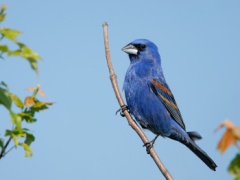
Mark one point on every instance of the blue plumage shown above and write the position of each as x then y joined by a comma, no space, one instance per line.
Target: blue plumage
150,99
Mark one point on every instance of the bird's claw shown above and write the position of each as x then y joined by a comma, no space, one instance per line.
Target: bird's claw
148,146
122,109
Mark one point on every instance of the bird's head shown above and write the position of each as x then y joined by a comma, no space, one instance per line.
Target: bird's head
142,50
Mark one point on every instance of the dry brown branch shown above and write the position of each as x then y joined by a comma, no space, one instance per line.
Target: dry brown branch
131,122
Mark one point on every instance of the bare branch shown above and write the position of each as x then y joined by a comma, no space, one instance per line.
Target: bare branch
131,122
2,154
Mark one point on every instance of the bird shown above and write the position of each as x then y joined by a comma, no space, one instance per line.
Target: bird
151,102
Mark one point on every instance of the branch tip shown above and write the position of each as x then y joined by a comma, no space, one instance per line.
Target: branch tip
105,24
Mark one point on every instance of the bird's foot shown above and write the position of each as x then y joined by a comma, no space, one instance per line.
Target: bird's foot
149,144
122,109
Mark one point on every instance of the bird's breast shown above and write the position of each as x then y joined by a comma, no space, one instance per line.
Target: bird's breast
144,105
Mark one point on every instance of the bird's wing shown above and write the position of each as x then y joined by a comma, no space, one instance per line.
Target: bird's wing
166,97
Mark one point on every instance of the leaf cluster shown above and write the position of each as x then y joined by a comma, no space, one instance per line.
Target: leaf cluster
21,136
21,49
230,137
27,108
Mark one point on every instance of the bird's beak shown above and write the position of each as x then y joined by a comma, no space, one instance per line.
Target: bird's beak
130,49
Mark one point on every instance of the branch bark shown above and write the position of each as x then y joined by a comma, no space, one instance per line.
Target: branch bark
131,122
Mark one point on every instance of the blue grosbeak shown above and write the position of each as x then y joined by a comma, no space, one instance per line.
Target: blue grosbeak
151,101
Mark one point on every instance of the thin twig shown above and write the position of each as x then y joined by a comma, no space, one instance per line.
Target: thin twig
8,151
5,147
131,122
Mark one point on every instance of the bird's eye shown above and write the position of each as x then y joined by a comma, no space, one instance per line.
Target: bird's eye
142,46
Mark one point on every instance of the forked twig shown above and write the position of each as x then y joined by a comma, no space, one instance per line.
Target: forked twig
3,152
131,122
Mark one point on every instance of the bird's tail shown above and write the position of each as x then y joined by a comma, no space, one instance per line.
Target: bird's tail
198,151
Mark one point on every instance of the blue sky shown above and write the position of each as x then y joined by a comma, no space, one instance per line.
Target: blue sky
80,137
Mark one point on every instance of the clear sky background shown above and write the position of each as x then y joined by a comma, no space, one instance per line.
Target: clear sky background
80,137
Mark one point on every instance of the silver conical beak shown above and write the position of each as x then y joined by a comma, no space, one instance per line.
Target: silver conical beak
130,49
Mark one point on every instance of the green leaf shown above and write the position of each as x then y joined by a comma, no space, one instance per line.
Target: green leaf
16,141
15,53
29,139
8,132
33,64
30,112
16,120
17,101
4,48
11,34
2,13
28,54
234,167
28,116
38,106
2,17
28,151
5,98
1,143
22,51
15,133
237,178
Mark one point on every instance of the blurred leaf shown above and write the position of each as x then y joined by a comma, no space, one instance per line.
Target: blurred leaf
2,13
3,48
37,90
18,133
5,98
1,143
16,120
30,112
20,136
231,135
28,54
17,101
29,101
28,151
234,167
4,85
26,130
33,64
38,106
31,88
29,139
27,117
2,17
22,51
8,132
15,133
14,53
40,91
16,141
11,34
226,141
